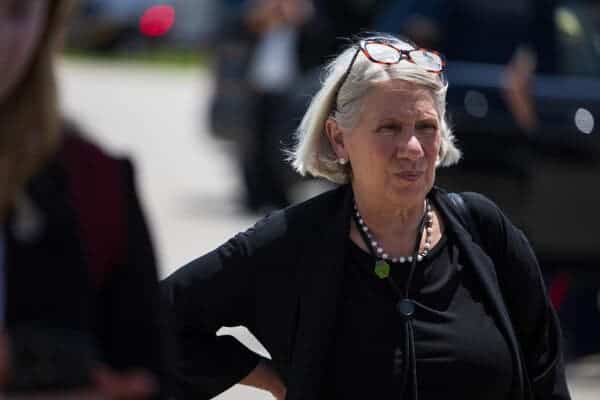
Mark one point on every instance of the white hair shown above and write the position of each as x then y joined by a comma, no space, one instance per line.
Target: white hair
313,153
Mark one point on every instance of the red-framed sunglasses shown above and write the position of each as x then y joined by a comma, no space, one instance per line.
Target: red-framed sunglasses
392,51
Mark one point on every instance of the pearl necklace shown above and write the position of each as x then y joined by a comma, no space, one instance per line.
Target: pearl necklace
381,253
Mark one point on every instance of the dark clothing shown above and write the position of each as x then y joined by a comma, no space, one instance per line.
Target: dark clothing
90,267
261,156
459,348
480,31
258,118
282,279
348,18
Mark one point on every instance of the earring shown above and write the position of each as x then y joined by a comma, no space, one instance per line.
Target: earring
342,161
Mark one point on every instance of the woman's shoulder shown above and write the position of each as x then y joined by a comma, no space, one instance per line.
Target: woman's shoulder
482,219
281,235
80,149
297,220
493,230
480,207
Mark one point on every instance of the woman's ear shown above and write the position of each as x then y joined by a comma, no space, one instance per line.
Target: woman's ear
336,138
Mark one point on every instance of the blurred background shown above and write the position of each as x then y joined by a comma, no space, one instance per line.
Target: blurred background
205,94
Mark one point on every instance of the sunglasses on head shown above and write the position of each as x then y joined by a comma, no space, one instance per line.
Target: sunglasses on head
391,51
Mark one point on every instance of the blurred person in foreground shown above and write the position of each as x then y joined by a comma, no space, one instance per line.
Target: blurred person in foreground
78,279
385,287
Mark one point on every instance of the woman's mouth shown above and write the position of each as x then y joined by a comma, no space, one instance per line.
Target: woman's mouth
410,176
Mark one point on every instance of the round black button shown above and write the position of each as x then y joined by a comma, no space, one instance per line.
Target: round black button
406,308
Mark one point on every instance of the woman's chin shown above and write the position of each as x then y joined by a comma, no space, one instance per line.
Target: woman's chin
409,188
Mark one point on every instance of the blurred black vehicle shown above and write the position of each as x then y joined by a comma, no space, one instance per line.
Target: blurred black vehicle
524,98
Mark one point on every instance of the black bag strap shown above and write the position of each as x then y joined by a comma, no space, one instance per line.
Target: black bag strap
466,217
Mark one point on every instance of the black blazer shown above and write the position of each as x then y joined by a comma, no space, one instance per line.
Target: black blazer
281,279
56,278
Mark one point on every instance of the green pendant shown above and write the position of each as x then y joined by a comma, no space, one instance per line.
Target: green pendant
382,269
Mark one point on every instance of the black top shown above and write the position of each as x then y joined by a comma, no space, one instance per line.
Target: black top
460,352
283,277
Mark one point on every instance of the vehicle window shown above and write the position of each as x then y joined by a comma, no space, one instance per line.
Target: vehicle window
578,32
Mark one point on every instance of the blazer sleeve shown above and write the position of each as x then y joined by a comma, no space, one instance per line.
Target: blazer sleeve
524,293
213,291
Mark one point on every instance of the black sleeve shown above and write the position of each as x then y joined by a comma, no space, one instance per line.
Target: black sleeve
524,292
129,299
213,291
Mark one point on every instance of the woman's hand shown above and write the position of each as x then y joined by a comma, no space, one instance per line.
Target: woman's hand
518,88
107,384
266,378
135,384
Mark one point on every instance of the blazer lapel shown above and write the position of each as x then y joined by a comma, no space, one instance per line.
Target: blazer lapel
320,281
485,271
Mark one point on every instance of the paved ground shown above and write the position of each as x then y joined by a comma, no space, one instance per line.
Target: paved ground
186,180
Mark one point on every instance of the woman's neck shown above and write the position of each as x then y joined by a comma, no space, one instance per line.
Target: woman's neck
389,222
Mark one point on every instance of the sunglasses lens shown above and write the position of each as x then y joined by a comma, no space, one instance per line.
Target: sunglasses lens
382,52
428,60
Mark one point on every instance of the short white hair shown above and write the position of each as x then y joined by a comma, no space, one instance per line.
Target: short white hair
313,153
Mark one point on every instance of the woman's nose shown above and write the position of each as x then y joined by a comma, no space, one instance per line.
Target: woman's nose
410,148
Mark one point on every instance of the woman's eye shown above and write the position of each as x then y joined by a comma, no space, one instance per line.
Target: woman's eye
427,127
388,129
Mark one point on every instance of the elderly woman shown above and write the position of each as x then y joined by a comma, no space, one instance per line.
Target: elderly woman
385,287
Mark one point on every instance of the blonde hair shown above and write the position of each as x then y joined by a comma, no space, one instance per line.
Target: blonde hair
313,154
29,116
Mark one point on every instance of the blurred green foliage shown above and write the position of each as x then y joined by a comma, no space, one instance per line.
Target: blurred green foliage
162,56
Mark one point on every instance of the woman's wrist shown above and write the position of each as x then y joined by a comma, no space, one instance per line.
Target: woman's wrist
265,377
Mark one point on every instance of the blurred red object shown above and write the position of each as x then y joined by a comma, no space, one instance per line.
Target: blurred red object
157,20
558,289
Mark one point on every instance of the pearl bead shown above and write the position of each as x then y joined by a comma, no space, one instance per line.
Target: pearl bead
380,251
